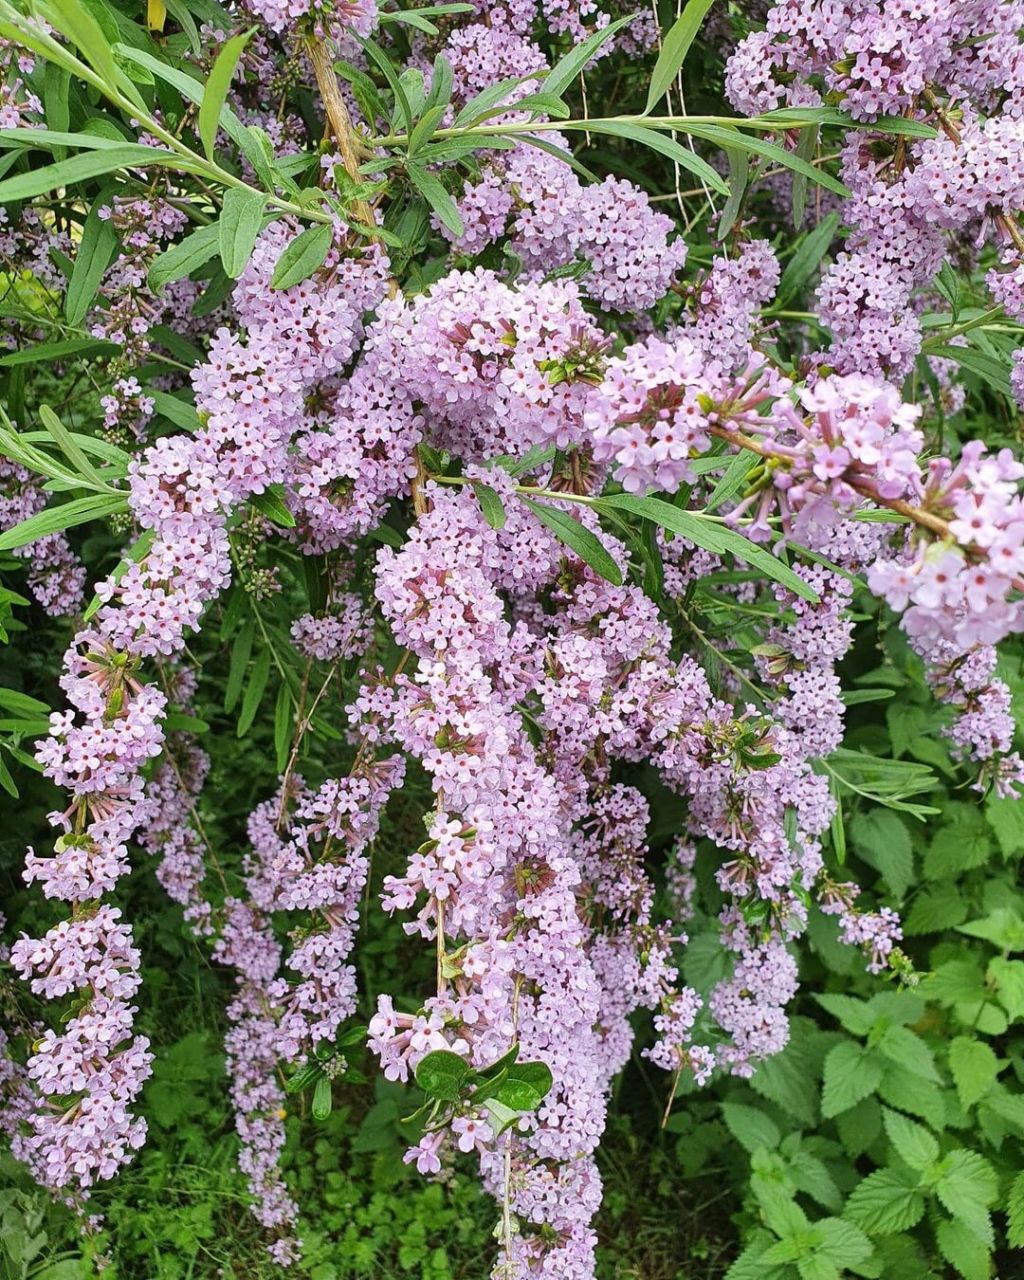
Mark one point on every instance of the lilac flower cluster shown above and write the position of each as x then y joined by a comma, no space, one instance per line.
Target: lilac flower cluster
56,578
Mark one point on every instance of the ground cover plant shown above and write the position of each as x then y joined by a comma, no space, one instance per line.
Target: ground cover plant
511,554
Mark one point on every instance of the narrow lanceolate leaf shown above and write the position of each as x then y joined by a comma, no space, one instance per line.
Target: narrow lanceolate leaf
726,137
433,191
47,351
565,71
54,519
579,539
664,145
215,92
271,503
739,169
95,250
182,258
68,446
254,691
809,253
711,536
80,168
302,256
240,220
674,49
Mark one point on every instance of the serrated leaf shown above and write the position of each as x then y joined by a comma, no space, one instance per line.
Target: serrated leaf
880,837
841,1242
750,1127
1015,1213
302,256
885,1202
960,1247
974,1068
851,1073
912,1142
578,539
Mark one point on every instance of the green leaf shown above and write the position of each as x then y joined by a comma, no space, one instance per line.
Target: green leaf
566,69
726,137
974,1068
1015,1213
282,726
967,1188
750,1127
80,168
664,145
912,1142
383,63
960,1247
526,1086
240,221
47,351
841,1242
491,505
856,1016
674,49
215,92
95,250
994,373
908,1051
851,1073
880,837
1006,979
322,1099
54,519
442,1074
254,691
433,191
21,704
809,253
578,539
885,1202
806,149
271,503
1003,928
302,256
69,447
711,536
182,258
241,649
739,172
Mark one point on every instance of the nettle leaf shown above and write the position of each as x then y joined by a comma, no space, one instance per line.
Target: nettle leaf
841,1242
884,1202
750,1127
881,838
1015,1213
851,1073
960,1247
974,1067
443,1074
1003,928
967,1189
912,1142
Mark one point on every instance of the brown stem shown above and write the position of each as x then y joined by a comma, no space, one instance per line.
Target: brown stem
339,121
